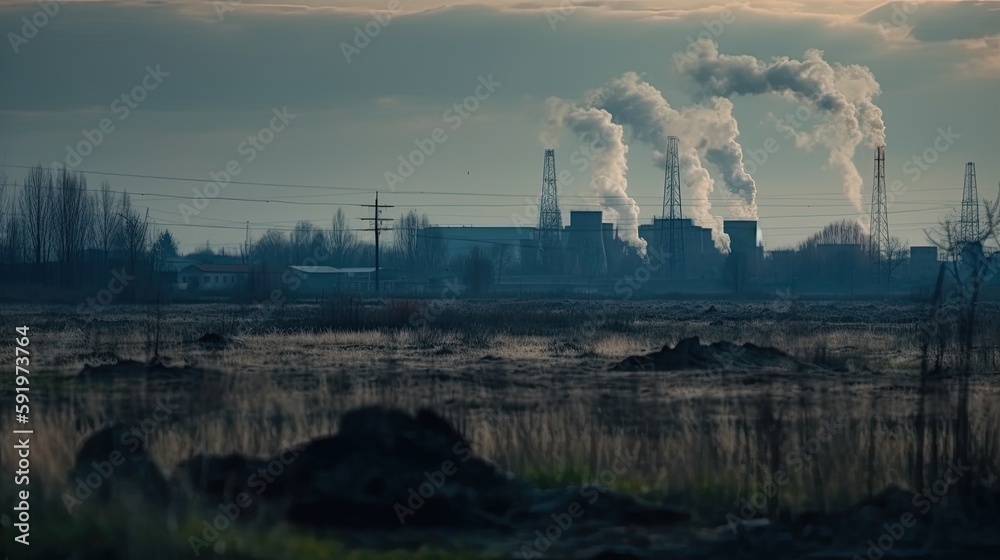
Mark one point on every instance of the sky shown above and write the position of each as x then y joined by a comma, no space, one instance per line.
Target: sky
307,105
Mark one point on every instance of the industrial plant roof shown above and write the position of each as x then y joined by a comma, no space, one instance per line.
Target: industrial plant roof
331,270
220,267
318,269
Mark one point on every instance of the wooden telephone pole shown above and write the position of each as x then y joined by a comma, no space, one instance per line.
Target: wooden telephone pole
377,228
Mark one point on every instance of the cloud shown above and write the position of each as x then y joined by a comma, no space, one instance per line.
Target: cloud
930,22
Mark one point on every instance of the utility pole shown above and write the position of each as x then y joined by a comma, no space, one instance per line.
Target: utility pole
377,227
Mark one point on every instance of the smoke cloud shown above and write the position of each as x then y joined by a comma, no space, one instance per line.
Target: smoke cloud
707,131
842,92
595,128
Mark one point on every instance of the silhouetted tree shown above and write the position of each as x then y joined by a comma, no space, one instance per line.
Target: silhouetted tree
133,234
342,241
272,249
306,240
72,219
844,232
968,269
165,247
11,242
106,220
415,249
896,253
36,212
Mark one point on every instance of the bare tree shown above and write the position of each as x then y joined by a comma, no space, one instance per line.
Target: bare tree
968,269
343,243
272,249
133,233
406,245
106,220
415,248
6,189
11,244
71,219
844,232
36,212
896,253
306,241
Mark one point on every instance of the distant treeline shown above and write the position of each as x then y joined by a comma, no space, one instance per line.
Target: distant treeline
55,230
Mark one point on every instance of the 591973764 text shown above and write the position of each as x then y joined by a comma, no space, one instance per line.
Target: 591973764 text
22,436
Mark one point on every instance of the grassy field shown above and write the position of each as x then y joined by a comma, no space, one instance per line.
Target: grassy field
529,383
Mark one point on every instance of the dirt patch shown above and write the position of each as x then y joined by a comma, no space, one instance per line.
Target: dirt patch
215,340
400,480
690,353
386,468
133,369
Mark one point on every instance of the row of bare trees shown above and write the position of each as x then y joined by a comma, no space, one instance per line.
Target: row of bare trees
850,232
413,248
52,216
310,244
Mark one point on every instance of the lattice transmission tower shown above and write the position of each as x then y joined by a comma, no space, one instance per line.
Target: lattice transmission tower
549,216
879,221
673,213
970,206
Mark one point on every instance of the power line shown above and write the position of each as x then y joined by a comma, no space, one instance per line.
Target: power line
368,190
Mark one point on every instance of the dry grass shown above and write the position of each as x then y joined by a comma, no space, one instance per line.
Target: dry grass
706,439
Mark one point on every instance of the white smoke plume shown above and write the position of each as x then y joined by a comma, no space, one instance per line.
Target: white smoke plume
843,93
594,128
706,131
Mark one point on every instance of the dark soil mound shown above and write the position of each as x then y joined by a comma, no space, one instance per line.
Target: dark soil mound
386,469
112,464
386,472
214,339
218,478
133,369
690,353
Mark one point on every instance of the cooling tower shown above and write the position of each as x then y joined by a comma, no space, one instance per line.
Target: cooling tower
742,236
585,243
743,240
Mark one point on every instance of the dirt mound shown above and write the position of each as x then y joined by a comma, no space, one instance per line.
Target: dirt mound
114,464
133,369
385,469
215,340
690,353
387,473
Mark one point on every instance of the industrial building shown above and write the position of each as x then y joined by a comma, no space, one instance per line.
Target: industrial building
213,277
502,242
587,253
700,257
